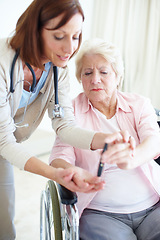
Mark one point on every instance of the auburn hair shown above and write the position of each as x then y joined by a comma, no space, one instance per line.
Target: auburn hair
27,36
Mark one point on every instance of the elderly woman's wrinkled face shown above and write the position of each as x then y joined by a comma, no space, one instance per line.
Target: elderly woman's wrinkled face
98,78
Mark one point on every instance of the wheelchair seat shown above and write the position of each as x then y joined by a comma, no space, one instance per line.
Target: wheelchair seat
59,219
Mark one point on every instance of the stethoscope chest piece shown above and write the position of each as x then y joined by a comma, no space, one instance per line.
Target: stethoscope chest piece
58,111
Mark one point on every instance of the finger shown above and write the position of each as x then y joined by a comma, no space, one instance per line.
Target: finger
113,150
93,180
68,178
80,182
98,187
74,187
122,157
70,185
95,188
125,135
132,143
113,137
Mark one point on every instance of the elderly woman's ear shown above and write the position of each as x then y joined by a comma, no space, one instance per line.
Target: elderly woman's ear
119,82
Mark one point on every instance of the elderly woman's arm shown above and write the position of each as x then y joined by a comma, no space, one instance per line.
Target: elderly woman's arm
126,158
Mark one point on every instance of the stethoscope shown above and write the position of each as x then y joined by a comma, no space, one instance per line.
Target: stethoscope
58,110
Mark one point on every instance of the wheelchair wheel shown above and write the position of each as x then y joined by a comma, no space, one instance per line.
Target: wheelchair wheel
70,222
50,215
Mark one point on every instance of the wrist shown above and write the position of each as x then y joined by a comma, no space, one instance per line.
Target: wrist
98,141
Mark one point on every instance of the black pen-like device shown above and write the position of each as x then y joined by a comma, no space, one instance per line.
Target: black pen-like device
100,168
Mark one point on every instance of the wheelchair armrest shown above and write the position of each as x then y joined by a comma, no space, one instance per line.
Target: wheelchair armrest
67,197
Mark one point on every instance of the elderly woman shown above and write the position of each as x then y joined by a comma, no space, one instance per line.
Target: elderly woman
128,206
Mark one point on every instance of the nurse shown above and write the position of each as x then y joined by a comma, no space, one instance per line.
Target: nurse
47,34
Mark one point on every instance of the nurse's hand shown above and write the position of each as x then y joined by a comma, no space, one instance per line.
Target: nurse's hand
100,139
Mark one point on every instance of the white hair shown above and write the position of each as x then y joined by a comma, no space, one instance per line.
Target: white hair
107,50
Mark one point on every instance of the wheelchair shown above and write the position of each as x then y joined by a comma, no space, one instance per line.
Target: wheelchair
59,219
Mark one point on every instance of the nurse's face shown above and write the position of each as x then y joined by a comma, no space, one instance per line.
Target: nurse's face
60,44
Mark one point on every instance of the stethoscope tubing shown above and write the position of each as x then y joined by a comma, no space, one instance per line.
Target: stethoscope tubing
58,111
34,77
12,71
55,71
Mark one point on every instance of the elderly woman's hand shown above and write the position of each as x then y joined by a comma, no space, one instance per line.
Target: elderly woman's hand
121,151
120,154
78,180
83,177
126,138
129,156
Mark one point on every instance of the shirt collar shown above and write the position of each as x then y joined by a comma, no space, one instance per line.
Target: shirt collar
122,103
85,103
